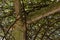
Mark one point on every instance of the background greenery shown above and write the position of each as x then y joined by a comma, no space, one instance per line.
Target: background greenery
34,8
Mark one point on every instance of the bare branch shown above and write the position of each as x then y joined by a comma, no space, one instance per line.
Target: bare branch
17,7
44,15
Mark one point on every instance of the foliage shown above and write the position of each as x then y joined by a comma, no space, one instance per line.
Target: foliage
46,28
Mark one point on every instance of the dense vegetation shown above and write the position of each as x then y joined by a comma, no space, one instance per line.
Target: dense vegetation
26,26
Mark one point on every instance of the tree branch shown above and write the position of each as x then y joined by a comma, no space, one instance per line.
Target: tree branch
44,15
17,7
